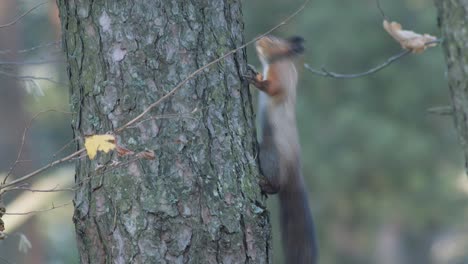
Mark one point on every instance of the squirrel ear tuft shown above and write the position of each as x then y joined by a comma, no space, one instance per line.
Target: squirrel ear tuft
296,39
297,44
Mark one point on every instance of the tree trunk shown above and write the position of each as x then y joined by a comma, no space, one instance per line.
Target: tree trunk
453,21
198,201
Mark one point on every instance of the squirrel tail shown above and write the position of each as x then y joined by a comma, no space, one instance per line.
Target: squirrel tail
297,225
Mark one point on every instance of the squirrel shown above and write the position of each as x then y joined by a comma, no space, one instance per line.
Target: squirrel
279,149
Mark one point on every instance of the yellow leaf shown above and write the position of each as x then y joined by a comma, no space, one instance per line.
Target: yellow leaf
96,143
408,39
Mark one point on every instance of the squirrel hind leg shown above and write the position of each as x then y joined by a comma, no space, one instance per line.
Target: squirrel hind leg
269,168
267,187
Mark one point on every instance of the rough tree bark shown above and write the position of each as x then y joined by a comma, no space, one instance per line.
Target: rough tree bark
198,201
453,22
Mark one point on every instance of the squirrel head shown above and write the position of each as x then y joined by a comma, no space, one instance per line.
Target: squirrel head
270,48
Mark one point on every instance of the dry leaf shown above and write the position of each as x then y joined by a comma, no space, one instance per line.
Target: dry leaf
123,151
409,40
96,143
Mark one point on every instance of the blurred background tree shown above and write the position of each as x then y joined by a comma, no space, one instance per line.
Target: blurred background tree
386,179
51,234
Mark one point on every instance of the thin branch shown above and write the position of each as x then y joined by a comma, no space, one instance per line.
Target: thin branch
4,259
182,115
35,62
100,172
84,155
118,165
108,169
64,147
380,9
32,48
23,15
42,210
34,173
325,73
195,73
23,161
23,140
31,78
55,189
441,110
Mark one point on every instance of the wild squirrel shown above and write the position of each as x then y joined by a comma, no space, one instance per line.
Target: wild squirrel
279,145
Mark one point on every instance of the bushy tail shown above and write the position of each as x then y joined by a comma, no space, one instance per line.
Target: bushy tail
297,225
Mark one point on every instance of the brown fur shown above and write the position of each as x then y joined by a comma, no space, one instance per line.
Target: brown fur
279,148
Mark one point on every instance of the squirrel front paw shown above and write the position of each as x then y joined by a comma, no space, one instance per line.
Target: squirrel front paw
251,70
253,76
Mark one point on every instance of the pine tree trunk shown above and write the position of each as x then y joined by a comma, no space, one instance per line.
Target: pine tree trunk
453,21
198,201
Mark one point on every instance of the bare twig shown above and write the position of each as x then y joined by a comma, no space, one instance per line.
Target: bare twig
120,164
182,115
84,155
23,140
42,210
55,189
107,169
31,78
35,62
380,9
441,110
64,147
34,173
195,73
7,51
22,161
75,186
325,73
4,259
23,15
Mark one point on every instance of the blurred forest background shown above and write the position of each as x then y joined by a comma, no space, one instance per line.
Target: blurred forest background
385,176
